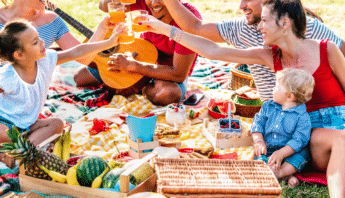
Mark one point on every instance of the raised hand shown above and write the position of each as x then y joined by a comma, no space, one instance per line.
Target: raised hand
118,29
106,24
156,25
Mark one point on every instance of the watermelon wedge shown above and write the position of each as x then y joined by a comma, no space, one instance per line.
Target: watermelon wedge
219,108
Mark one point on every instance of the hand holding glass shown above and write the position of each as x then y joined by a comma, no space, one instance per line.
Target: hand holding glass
136,17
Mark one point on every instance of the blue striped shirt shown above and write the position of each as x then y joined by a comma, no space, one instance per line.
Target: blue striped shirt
238,33
51,32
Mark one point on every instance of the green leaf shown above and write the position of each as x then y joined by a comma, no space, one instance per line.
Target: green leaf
13,134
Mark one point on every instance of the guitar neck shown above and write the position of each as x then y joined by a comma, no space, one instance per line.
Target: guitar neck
74,23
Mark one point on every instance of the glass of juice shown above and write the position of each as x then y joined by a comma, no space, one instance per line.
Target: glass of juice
116,11
128,2
126,37
137,16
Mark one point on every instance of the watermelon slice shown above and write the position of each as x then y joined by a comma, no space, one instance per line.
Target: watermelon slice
219,108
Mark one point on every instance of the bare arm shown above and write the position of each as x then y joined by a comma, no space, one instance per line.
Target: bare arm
190,23
259,144
210,49
337,62
342,47
68,41
86,49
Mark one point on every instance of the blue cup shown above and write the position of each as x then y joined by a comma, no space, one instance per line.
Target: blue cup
142,128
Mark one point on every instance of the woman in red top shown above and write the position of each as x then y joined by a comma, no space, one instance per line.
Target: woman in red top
283,26
168,77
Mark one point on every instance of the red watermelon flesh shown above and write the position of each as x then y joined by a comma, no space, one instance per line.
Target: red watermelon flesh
222,105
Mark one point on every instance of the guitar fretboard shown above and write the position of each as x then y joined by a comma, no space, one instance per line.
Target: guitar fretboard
74,23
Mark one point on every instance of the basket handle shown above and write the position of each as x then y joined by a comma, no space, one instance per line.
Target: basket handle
251,83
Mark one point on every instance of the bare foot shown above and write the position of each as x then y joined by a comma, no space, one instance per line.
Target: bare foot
275,171
293,181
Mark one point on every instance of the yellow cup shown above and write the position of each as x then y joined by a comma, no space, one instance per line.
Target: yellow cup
116,11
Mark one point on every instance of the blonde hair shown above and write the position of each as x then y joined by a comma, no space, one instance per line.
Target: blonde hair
298,82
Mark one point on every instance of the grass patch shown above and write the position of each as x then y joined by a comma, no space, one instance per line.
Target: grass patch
304,190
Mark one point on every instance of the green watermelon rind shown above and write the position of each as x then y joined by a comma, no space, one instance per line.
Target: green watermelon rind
111,178
242,101
90,168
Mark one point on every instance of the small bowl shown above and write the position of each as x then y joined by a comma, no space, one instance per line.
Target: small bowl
222,103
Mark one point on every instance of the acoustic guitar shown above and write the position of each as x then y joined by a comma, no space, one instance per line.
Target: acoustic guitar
144,51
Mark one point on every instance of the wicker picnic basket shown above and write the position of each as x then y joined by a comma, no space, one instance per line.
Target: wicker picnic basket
240,78
246,110
203,177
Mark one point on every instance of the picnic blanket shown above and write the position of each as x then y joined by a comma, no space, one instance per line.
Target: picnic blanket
81,107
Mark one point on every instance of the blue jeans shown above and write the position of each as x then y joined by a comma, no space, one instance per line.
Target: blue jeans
183,85
297,160
331,118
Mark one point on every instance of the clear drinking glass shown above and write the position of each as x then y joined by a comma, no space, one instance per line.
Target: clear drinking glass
137,16
127,36
116,11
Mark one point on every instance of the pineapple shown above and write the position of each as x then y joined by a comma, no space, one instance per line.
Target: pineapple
22,149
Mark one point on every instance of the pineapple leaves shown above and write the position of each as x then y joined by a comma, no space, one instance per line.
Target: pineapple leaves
7,146
13,134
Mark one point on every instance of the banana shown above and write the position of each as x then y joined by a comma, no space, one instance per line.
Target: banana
185,135
97,182
66,146
58,148
71,175
54,175
114,164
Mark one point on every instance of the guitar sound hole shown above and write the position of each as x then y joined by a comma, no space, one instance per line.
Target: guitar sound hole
109,52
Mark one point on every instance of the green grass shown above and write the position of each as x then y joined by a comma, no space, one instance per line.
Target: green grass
331,11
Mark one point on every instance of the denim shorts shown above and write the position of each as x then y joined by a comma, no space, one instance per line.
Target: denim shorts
297,160
183,85
10,124
331,118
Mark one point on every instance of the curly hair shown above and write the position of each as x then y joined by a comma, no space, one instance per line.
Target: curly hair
297,81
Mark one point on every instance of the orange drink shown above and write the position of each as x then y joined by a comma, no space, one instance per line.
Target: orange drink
126,37
128,1
140,28
136,17
116,11
117,17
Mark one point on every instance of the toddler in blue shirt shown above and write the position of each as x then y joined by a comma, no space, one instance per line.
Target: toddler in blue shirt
281,130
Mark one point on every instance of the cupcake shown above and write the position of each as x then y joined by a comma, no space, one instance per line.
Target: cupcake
175,114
